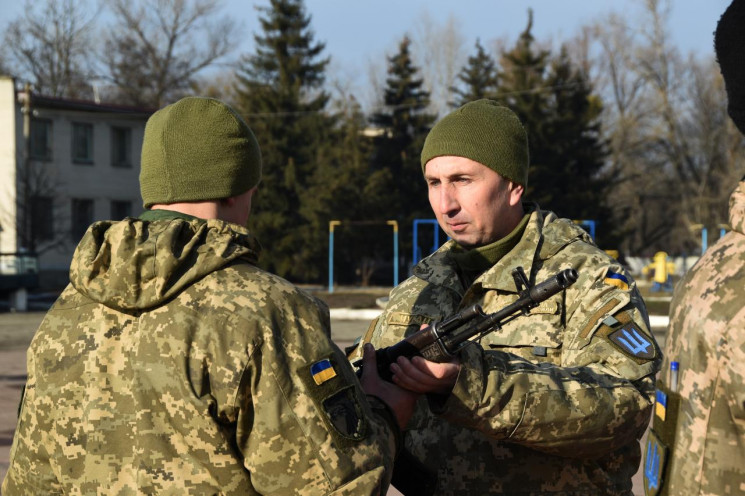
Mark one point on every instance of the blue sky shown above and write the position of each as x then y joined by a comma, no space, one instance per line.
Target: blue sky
357,32
358,29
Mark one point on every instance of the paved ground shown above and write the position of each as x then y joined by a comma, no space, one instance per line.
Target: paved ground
17,329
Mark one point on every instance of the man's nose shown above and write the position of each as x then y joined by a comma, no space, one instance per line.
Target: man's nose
448,202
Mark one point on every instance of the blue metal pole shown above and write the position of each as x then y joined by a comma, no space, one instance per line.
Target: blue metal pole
415,244
395,251
331,253
703,240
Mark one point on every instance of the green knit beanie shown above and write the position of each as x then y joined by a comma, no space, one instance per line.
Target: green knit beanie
486,132
197,149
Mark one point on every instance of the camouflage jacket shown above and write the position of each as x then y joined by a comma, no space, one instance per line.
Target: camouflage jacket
707,339
549,404
173,365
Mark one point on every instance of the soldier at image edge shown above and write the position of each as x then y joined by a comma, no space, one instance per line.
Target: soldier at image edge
171,364
697,442
555,402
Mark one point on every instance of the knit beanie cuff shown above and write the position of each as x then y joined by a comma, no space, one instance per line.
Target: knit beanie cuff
483,131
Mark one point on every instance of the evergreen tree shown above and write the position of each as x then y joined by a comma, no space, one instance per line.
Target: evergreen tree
579,151
280,94
404,124
343,188
554,101
477,80
521,85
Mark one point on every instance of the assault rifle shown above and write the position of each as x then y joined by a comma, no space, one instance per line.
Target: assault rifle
443,339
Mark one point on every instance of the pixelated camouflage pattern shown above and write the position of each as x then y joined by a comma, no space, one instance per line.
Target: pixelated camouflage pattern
546,405
172,365
707,339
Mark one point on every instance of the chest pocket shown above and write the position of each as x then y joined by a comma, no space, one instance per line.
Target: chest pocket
536,337
398,325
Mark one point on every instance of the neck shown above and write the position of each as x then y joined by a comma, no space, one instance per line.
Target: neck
203,210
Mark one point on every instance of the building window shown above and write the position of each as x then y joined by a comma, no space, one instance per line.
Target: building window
41,139
120,209
121,147
82,217
42,218
82,143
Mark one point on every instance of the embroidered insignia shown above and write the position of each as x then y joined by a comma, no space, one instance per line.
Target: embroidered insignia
633,342
654,465
660,407
322,371
617,280
345,414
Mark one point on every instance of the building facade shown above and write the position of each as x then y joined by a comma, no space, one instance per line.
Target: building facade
63,165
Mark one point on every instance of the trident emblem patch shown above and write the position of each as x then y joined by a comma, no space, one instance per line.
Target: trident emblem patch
633,342
655,456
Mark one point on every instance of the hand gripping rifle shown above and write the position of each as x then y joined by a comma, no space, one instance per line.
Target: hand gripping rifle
444,338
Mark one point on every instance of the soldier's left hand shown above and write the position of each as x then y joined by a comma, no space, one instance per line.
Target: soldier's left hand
422,376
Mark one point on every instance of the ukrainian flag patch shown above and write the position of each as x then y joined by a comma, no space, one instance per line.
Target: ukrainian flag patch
660,407
322,371
617,280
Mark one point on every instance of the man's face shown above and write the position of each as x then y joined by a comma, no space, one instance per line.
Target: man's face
473,204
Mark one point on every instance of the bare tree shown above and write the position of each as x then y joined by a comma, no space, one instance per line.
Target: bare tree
50,46
439,50
673,149
154,50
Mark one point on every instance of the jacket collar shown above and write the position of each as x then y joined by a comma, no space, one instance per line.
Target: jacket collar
534,246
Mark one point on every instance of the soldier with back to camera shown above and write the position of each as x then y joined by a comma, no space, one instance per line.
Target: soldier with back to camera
171,364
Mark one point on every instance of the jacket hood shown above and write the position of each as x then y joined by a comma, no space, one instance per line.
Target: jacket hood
737,208
136,264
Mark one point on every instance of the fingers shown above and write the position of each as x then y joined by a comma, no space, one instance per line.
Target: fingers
422,376
369,365
368,357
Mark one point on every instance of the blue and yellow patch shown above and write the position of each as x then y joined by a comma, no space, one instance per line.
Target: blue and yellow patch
322,371
660,407
617,280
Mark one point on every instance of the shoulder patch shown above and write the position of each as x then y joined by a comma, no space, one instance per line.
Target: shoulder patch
406,319
345,413
660,407
549,307
655,458
329,386
322,371
615,279
633,342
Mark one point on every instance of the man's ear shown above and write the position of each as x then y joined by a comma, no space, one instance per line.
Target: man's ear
516,193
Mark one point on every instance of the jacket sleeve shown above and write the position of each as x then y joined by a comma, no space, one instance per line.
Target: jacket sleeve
305,425
595,397
30,471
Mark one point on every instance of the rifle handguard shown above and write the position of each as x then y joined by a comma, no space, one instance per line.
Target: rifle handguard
441,340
